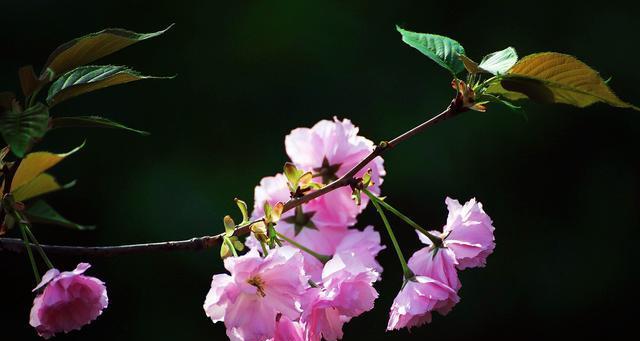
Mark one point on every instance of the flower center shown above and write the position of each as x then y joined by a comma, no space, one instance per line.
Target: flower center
258,282
327,171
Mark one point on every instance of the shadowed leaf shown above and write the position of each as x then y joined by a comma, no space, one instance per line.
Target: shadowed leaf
20,128
41,212
86,49
90,122
90,78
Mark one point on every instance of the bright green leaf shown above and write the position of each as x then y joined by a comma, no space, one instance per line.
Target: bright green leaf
499,62
90,78
243,209
442,50
20,128
41,212
86,49
90,122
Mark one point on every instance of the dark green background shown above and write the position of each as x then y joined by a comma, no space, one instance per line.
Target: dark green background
562,185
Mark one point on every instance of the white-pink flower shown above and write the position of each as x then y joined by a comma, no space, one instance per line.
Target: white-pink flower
68,301
257,291
346,291
287,330
436,263
468,233
331,149
417,299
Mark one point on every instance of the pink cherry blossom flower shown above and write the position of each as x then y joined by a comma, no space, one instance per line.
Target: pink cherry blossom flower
68,301
287,330
314,225
364,245
417,299
257,291
331,149
436,263
346,291
468,233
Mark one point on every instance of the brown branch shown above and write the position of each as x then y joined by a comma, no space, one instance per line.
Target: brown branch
206,242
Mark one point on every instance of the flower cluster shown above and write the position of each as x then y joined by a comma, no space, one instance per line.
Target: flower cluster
465,242
252,301
322,274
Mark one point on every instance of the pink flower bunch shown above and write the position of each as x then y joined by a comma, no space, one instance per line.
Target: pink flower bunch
271,298
342,288
466,241
68,301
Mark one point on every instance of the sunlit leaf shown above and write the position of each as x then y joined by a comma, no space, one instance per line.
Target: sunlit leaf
499,62
229,226
42,184
442,50
86,49
41,212
90,78
551,77
37,163
243,209
90,122
20,128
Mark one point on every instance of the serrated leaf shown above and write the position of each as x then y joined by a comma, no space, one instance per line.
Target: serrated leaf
42,184
442,50
90,122
90,78
20,128
37,163
552,77
41,212
499,62
86,49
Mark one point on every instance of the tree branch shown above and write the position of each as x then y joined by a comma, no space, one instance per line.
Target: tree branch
206,242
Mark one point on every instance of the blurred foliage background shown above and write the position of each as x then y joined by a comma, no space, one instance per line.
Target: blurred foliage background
561,184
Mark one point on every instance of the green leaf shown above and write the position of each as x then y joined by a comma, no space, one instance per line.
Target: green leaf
243,209
229,226
499,62
86,49
20,128
442,50
41,212
90,78
551,77
90,122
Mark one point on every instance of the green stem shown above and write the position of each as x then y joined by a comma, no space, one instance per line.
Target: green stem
265,250
405,268
32,260
231,247
434,239
320,257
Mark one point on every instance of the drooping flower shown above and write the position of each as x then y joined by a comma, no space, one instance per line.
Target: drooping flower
436,263
330,149
468,233
346,291
315,225
257,291
417,299
68,301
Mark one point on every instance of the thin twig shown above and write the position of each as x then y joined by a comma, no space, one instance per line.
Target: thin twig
206,242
